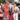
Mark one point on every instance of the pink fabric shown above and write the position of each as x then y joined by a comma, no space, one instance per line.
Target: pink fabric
6,10
6,13
11,17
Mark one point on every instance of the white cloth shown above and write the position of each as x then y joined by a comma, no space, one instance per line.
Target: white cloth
10,6
17,9
1,15
16,16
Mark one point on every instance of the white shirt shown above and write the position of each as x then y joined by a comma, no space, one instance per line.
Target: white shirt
10,6
16,13
15,18
17,9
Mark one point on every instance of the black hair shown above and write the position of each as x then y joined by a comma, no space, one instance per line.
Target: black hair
10,2
15,3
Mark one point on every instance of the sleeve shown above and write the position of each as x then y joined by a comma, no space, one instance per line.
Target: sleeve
17,9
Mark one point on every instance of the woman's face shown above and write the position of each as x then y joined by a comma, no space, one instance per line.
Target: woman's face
7,3
14,4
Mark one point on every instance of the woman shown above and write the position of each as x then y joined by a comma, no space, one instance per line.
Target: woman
6,9
10,16
15,10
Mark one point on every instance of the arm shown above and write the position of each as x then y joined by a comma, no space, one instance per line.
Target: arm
17,9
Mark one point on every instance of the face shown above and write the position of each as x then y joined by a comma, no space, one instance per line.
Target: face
14,4
7,3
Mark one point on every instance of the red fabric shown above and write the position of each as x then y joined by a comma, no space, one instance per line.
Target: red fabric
6,13
6,10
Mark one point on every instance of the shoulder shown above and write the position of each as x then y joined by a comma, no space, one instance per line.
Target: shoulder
17,7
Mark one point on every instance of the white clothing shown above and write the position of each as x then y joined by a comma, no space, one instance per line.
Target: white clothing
15,18
17,9
10,6
0,9
1,15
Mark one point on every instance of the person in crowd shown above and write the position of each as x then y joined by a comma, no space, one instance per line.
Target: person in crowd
10,5
10,11
1,13
10,16
15,9
2,6
1,16
6,9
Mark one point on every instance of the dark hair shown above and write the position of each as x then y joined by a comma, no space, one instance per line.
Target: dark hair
3,2
10,2
15,3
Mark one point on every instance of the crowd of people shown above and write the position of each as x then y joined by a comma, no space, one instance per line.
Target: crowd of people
9,11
